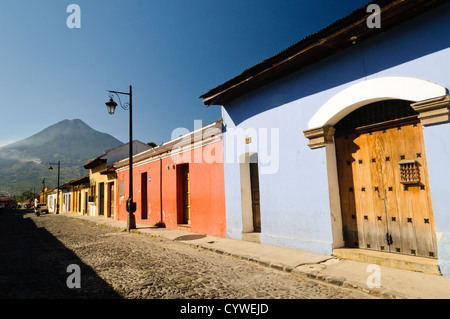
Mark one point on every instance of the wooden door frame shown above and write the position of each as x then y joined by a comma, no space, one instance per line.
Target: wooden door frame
334,194
431,102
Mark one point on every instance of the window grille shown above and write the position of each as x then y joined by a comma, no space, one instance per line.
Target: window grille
409,172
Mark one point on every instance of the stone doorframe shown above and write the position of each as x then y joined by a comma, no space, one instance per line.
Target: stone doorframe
246,196
430,100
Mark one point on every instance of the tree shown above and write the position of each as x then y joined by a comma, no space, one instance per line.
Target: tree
152,144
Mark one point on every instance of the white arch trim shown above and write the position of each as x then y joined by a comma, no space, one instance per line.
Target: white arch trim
362,93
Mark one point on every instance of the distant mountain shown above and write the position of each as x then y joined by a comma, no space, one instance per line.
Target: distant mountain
24,164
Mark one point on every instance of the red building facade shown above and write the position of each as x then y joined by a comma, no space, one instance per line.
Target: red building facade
180,183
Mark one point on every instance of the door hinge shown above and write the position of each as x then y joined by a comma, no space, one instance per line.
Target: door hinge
389,239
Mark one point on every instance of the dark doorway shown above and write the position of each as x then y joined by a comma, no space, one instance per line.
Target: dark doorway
144,202
254,182
101,199
183,194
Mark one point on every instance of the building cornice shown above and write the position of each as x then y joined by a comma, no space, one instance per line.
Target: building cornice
211,131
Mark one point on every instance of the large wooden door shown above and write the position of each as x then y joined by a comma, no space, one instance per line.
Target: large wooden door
384,189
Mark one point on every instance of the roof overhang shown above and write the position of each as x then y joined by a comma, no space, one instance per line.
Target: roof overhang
79,181
108,170
95,162
201,134
333,39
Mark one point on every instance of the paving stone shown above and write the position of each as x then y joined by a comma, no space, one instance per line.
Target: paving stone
133,266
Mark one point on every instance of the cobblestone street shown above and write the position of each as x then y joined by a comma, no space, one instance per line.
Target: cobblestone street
36,251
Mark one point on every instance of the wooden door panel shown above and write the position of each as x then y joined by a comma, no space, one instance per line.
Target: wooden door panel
404,239
186,195
344,150
377,188
363,238
381,156
412,199
391,188
419,215
368,177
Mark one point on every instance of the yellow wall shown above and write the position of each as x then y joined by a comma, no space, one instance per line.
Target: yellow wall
96,179
79,198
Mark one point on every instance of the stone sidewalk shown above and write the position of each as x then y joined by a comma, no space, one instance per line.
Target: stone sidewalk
394,283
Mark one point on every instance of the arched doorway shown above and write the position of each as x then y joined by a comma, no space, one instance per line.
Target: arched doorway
383,180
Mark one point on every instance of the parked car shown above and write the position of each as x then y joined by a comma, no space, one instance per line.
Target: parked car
42,208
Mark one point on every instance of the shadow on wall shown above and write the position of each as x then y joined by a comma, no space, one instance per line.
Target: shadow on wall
407,42
33,264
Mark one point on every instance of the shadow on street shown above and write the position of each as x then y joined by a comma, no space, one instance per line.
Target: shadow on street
33,264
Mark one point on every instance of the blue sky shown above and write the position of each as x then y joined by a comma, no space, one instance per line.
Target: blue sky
171,51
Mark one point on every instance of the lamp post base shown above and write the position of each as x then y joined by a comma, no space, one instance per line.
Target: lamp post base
131,222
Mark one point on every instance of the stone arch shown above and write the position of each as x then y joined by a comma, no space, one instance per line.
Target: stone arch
431,100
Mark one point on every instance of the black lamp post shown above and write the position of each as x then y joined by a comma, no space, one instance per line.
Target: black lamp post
111,105
57,193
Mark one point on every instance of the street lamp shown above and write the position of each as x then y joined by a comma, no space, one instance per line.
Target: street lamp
57,193
111,105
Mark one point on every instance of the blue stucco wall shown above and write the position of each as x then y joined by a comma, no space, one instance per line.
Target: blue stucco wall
287,193
437,147
295,205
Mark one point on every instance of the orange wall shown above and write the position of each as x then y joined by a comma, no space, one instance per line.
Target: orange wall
207,191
